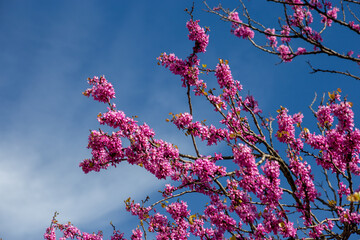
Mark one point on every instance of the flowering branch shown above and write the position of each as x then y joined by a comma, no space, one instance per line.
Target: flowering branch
298,24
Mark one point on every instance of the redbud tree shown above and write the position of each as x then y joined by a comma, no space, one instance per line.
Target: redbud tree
266,188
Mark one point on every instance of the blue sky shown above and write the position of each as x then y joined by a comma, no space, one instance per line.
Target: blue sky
49,48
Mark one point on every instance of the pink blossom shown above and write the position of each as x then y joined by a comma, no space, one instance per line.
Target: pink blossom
182,120
316,3
188,70
137,210
240,203
222,221
244,32
216,135
245,160
217,8
324,116
159,223
330,15
348,217
117,235
271,183
69,231
316,141
234,17
345,116
354,26
270,36
286,131
252,104
218,102
136,234
285,53
285,32
178,210
223,75
330,224
205,169
50,234
305,180
197,34
288,229
197,228
343,190
312,34
316,231
217,156
101,91
168,190
300,51
226,81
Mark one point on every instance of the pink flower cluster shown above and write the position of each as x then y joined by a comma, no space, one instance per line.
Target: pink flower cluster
217,216
178,210
347,217
70,232
285,53
168,191
223,75
160,224
182,120
286,131
101,91
197,34
205,170
238,29
211,134
300,51
354,26
271,170
240,203
305,180
226,81
106,150
270,36
217,102
251,104
136,234
330,15
343,190
189,69
152,154
301,16
137,210
285,32
340,145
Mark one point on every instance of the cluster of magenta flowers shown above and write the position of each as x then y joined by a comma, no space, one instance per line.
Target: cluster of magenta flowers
252,198
101,90
239,29
198,35
70,232
339,145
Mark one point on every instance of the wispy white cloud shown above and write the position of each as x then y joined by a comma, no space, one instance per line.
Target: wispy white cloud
33,188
